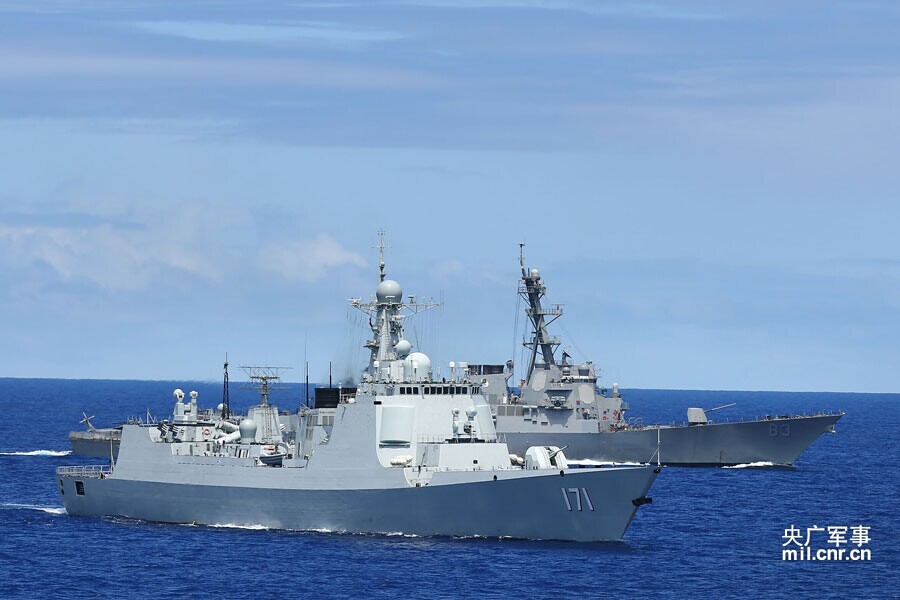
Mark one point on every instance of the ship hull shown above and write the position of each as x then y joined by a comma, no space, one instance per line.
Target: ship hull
581,505
777,441
100,442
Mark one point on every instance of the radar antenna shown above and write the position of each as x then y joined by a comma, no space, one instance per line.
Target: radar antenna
522,257
264,379
532,290
226,407
386,312
371,307
381,247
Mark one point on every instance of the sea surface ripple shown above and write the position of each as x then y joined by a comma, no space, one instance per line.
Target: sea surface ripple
709,532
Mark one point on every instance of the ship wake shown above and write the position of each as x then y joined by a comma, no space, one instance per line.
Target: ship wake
38,453
254,527
752,465
50,510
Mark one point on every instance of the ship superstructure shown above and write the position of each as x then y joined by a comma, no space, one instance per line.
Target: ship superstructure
403,452
560,403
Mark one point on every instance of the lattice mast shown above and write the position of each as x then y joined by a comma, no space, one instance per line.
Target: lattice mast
532,291
226,405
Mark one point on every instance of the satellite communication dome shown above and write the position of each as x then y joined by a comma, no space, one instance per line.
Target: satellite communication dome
179,395
402,348
248,431
419,366
389,292
535,274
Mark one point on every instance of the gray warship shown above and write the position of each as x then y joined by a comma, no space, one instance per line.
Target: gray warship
95,442
560,404
401,453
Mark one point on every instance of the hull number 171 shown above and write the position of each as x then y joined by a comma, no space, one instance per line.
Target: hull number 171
573,497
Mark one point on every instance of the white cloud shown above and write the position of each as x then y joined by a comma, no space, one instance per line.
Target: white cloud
337,34
122,260
307,261
27,66
448,267
634,10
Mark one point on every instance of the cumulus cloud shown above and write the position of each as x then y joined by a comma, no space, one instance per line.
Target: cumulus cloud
115,259
307,261
448,267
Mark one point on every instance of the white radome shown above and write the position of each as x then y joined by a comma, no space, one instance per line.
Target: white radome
402,348
418,365
389,292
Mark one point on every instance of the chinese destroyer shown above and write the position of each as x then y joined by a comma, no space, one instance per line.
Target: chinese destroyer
400,453
560,404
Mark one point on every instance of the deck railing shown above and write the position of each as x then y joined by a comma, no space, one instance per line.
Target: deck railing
725,421
463,439
87,471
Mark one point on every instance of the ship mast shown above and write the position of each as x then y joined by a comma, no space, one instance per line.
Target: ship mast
226,407
386,312
263,379
532,290
381,248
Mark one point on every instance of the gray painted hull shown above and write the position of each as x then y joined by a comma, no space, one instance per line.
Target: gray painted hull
519,504
777,441
95,443
382,458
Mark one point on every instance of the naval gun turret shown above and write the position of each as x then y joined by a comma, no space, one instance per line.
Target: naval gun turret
697,416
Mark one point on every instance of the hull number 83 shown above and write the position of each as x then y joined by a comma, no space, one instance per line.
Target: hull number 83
776,430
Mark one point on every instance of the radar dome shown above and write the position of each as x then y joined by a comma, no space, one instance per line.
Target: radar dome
535,274
248,431
419,366
402,348
179,395
389,292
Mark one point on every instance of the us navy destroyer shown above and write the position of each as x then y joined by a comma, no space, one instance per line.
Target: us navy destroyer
401,453
560,404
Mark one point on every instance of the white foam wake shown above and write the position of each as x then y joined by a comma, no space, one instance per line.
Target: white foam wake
399,534
38,453
52,510
235,526
751,465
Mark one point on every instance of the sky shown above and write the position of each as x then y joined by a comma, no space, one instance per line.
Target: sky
710,189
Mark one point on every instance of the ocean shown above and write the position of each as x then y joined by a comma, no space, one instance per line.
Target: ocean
710,532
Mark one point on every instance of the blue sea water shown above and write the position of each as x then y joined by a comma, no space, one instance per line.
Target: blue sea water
708,533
